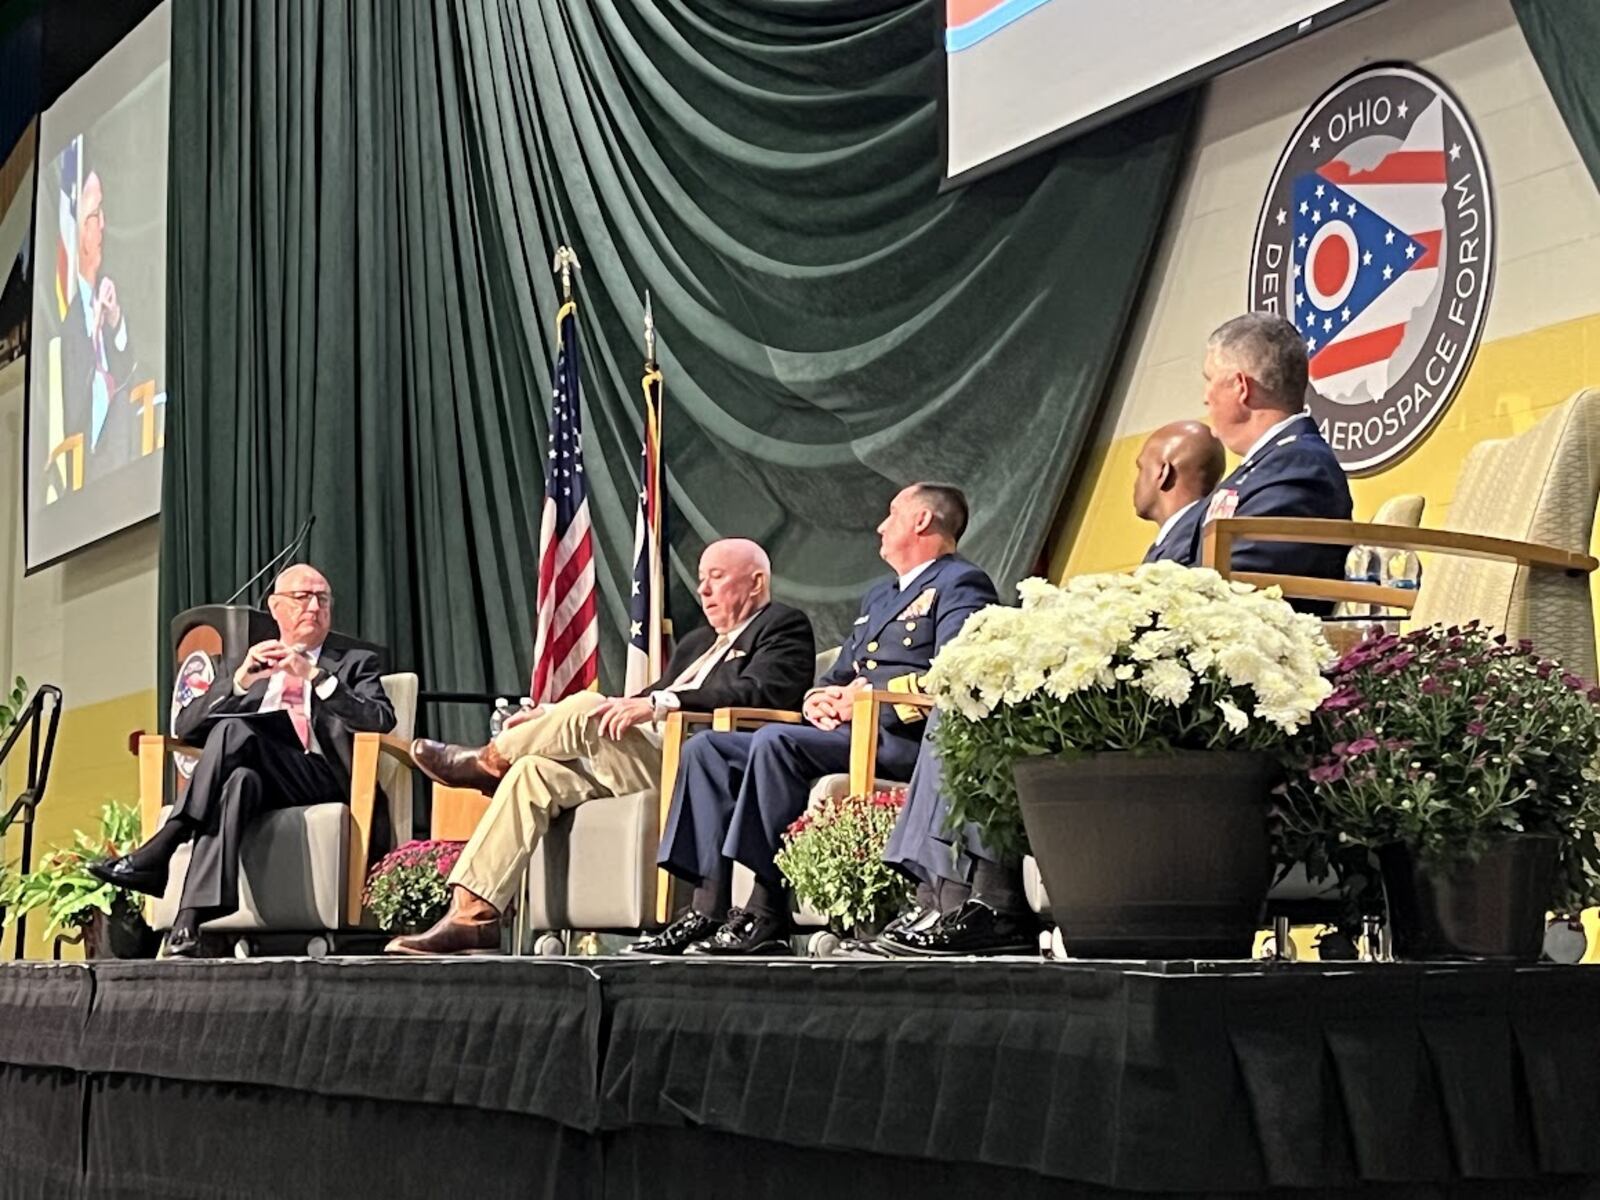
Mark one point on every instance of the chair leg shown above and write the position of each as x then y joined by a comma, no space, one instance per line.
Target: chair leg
1282,940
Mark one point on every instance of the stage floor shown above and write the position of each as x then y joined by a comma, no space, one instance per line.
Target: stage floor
613,1077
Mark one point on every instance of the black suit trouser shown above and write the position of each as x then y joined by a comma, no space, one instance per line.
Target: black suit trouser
241,774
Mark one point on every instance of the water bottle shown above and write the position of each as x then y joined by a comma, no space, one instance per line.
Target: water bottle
1362,565
497,719
1401,569
526,705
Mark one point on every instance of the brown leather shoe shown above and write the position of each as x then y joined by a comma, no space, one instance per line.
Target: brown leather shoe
471,926
478,767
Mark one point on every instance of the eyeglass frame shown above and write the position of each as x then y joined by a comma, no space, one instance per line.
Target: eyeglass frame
303,599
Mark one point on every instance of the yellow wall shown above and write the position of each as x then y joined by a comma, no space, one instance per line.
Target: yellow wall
91,765
87,625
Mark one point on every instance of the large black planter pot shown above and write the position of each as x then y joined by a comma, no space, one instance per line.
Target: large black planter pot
1493,908
1151,855
123,934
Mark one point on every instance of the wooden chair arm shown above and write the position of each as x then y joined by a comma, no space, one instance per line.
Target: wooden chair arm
865,716
730,720
1221,534
153,751
363,800
679,725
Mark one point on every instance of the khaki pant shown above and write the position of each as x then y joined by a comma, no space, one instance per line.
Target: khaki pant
558,760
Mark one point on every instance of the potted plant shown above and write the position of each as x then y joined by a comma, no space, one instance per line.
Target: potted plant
406,889
833,858
1463,768
1128,729
78,907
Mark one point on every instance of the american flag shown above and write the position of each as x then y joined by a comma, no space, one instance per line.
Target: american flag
648,623
567,633
1366,257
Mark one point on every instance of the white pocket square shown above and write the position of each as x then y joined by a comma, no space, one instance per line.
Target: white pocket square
733,654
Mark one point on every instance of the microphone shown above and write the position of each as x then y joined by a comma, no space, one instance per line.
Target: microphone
277,559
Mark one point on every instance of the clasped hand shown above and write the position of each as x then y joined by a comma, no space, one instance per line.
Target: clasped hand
830,707
265,658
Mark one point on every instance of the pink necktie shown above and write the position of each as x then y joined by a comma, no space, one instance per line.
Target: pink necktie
294,699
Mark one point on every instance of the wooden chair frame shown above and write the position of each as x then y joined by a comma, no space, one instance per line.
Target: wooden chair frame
1223,533
155,749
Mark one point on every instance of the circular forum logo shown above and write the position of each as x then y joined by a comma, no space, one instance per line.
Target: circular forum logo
1377,241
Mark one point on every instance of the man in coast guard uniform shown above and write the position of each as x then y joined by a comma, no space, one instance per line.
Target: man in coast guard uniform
1256,377
736,793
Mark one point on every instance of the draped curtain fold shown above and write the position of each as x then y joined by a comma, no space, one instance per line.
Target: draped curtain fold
1565,39
365,198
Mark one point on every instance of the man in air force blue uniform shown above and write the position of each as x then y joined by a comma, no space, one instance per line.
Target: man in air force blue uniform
737,792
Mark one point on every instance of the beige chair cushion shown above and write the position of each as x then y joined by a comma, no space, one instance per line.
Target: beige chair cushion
1540,486
596,868
1404,509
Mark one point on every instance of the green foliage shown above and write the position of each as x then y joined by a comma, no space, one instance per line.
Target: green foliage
1445,740
406,889
11,706
833,858
62,888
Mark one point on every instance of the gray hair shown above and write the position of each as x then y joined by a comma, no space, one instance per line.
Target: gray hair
947,505
1269,350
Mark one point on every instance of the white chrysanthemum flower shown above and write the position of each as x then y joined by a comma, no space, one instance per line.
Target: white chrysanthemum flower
1235,717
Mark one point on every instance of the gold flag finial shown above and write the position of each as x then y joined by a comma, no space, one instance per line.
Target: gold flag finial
649,331
564,264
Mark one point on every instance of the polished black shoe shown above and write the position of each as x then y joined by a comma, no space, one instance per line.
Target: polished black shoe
689,928
746,932
119,872
181,943
974,928
888,940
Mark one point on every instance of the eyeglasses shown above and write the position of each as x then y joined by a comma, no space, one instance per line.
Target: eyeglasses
304,599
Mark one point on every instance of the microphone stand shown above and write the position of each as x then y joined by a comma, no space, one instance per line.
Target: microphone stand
277,559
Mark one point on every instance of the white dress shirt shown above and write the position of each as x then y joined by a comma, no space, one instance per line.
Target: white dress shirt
1266,439
1166,526
273,700
666,700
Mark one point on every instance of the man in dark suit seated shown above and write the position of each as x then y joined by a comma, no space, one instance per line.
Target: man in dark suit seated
1177,468
246,767
756,653
1256,377
737,792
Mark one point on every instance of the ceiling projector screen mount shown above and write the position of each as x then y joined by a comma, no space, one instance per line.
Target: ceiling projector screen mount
1023,75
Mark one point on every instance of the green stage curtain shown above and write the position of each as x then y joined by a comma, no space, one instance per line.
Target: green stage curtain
365,198
1564,36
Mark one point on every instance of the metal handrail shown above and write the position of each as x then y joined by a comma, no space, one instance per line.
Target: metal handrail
40,754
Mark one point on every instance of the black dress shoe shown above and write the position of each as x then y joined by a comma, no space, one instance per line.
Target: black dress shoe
746,932
119,872
888,940
689,928
181,943
974,928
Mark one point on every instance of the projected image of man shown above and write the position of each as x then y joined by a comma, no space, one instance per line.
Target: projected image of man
96,357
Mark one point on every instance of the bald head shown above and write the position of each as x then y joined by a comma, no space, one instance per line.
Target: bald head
735,582
1179,463
302,605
